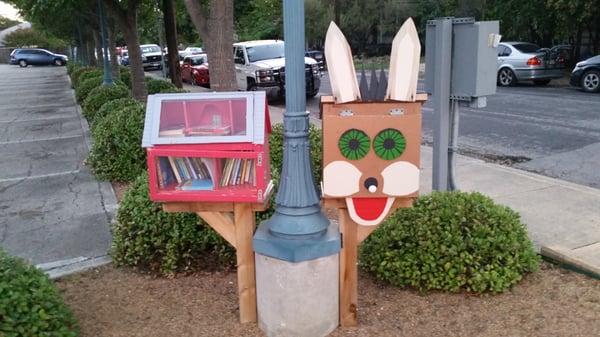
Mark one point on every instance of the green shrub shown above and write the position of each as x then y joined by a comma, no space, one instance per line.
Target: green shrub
72,66
276,155
78,72
86,86
100,95
111,106
30,305
83,89
451,241
116,153
156,86
276,143
125,74
96,72
144,236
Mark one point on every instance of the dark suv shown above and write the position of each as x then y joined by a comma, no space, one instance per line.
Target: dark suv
34,56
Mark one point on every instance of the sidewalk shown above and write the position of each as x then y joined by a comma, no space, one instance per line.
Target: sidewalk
562,218
53,212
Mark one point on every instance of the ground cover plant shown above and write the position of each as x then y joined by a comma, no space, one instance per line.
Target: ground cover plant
30,305
451,241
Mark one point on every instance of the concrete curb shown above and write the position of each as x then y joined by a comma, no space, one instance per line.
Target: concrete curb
569,259
58,269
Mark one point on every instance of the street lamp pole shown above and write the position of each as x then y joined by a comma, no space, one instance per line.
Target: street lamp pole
103,26
298,229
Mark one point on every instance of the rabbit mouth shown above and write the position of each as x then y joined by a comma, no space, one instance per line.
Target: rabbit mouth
369,211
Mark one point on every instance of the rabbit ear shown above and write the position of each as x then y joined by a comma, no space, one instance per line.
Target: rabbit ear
340,66
404,63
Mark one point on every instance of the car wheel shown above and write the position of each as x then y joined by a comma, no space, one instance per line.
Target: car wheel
22,63
541,82
506,77
251,86
590,81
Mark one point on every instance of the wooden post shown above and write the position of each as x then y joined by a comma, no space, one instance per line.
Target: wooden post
348,270
353,235
246,274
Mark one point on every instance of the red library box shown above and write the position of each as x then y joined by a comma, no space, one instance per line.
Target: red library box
208,147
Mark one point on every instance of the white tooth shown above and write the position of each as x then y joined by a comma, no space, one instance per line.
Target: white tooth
372,188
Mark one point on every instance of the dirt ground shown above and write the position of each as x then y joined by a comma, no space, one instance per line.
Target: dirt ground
119,302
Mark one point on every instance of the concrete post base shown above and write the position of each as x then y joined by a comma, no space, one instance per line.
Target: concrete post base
297,299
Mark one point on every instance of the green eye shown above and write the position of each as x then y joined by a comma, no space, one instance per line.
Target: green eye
389,144
354,144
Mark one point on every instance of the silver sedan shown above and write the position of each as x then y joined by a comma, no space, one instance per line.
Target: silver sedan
523,61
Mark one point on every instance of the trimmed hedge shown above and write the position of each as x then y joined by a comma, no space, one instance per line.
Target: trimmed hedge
30,305
125,74
89,84
316,155
117,154
100,95
146,237
90,74
78,72
111,106
156,86
451,241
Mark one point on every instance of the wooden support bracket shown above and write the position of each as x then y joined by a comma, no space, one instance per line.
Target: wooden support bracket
235,223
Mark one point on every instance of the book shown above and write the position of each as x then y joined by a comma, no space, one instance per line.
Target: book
166,175
196,185
185,175
175,169
190,168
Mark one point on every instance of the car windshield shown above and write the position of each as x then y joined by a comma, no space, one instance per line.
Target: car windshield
151,49
265,52
196,61
526,47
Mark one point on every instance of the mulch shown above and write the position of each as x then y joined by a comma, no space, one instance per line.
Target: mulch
122,302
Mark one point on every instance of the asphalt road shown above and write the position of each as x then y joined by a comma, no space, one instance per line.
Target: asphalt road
552,130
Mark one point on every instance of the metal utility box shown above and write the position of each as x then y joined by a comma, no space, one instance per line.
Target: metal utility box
474,58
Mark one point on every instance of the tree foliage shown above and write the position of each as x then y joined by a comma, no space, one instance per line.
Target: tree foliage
34,38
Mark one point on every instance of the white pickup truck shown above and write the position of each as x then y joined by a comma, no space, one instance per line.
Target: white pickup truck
260,65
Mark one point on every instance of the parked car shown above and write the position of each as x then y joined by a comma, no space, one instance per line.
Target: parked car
124,58
318,56
194,70
524,61
191,51
151,56
35,56
586,74
260,65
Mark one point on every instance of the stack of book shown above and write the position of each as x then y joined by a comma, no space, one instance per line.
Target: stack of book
238,171
189,173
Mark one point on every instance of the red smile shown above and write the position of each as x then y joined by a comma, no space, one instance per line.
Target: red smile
369,209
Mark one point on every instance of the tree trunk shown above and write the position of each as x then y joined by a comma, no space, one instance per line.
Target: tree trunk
126,19
138,83
216,30
112,46
98,43
171,34
90,50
